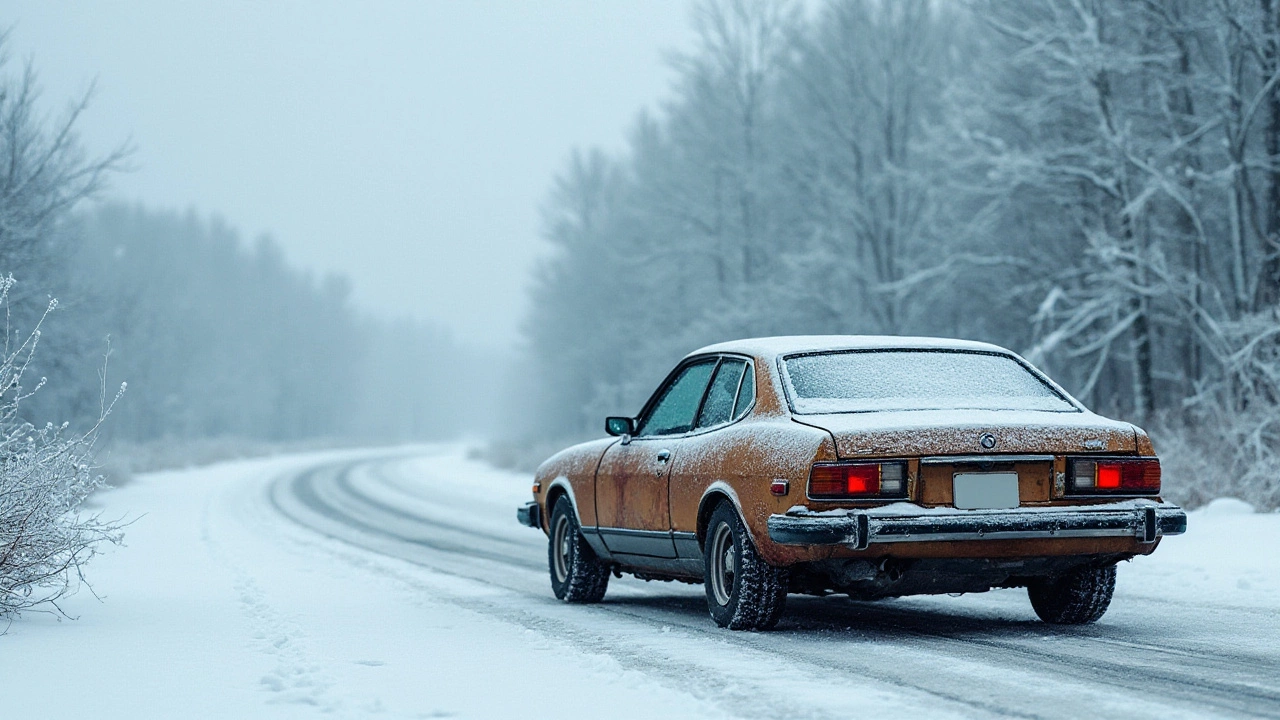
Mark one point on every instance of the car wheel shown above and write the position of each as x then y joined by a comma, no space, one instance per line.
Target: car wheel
577,575
743,591
1081,596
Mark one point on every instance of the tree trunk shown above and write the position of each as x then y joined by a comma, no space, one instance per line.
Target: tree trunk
1269,284
1183,103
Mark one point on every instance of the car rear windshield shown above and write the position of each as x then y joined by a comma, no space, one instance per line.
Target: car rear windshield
868,381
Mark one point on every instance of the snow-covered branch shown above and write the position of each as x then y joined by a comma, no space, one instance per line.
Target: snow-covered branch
46,473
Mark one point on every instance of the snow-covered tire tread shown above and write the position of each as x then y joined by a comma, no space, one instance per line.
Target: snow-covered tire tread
759,593
1077,598
587,578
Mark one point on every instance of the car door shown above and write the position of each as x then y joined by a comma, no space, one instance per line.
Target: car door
632,507
713,451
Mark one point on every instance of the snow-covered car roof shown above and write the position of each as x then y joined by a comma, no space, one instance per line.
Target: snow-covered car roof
772,347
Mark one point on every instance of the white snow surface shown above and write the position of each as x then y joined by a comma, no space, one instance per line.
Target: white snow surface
770,347
907,509
221,606
1228,506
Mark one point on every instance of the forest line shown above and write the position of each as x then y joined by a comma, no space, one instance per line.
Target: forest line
1092,183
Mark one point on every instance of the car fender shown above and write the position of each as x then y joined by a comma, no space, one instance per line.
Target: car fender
572,472
706,505
562,485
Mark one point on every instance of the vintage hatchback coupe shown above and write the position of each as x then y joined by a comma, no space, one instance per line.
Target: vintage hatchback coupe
872,466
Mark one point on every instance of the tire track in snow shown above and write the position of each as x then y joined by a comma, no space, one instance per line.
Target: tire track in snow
1239,676
697,679
326,498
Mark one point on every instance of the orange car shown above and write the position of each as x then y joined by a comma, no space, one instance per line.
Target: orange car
872,466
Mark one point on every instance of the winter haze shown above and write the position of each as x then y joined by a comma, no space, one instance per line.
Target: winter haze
406,145
314,313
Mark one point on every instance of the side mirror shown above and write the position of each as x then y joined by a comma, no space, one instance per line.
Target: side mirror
619,426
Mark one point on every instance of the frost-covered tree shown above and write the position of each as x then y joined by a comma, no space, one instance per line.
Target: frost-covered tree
1074,126
865,84
219,338
46,469
1095,183
46,171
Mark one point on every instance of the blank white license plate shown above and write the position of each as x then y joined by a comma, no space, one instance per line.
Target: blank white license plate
985,490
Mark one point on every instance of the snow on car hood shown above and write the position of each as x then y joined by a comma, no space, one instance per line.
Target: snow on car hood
960,432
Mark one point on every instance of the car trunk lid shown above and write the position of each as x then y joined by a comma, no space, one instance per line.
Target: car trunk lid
983,448
925,433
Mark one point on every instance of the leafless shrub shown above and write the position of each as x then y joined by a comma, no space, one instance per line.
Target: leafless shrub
45,474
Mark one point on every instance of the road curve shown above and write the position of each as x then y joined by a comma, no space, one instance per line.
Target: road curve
977,656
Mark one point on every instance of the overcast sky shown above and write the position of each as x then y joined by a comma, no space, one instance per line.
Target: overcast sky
405,144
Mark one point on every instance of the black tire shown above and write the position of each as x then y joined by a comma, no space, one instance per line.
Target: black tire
577,575
1079,597
743,591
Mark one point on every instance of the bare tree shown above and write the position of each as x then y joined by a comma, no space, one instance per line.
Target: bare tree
723,128
1094,182
45,471
865,85
45,170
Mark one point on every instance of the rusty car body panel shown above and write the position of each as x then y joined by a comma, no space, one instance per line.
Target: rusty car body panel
643,502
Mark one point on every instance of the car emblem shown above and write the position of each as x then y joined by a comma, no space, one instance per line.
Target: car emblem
987,441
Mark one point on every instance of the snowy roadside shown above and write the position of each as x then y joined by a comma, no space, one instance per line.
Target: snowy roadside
1229,558
219,607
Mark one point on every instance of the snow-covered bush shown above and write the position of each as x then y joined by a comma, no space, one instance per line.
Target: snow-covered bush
1203,460
45,475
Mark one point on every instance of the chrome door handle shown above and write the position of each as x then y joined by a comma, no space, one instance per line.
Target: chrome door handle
664,456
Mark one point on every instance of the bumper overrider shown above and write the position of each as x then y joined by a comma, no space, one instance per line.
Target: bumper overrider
529,514
1146,520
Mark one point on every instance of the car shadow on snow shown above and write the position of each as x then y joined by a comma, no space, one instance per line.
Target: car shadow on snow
837,617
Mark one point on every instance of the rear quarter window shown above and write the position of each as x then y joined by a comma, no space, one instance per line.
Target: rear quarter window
717,409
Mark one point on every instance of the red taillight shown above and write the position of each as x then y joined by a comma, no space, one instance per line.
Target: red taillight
862,480
826,480
1108,476
853,480
1123,476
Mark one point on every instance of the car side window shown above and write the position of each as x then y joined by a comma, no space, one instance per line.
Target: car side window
674,412
718,407
746,395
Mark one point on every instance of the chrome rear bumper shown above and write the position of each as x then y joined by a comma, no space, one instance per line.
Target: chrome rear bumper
1146,520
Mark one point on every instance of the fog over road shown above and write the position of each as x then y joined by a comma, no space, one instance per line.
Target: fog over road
976,655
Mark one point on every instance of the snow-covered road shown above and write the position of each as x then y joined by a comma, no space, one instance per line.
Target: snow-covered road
397,584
